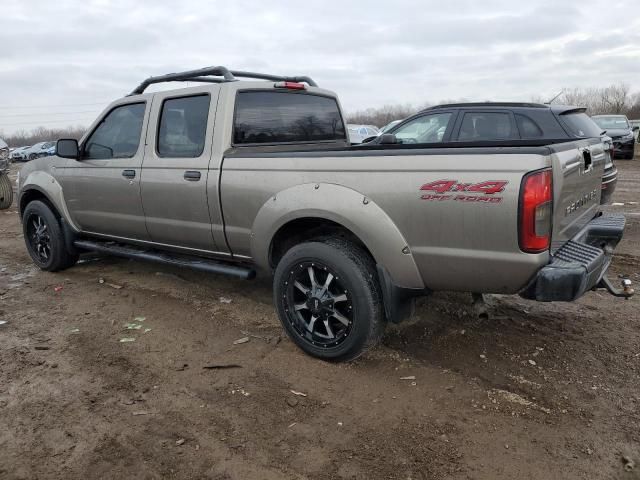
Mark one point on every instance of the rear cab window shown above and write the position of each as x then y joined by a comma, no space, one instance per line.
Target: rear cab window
268,117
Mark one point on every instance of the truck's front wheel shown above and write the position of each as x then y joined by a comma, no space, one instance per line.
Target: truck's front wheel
44,239
329,300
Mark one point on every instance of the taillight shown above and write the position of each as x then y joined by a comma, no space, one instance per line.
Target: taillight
291,85
536,199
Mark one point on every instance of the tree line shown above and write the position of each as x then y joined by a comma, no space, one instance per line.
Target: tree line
614,99
23,138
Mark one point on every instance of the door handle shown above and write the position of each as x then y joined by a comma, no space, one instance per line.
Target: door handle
192,175
129,173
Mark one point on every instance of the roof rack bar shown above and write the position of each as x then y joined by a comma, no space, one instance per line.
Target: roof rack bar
184,76
203,75
275,78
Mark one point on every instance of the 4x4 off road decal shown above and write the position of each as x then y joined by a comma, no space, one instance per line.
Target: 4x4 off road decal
483,192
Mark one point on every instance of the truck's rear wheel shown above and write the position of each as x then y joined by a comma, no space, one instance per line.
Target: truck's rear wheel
329,300
44,238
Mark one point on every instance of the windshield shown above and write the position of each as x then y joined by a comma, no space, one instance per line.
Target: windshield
612,122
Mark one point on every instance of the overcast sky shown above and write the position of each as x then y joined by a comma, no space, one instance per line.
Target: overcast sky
62,61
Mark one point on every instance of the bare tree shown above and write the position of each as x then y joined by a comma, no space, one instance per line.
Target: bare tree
614,99
634,109
382,115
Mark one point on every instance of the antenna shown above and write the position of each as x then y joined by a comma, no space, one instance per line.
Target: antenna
551,101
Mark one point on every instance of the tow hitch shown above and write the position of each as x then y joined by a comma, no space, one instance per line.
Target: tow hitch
625,292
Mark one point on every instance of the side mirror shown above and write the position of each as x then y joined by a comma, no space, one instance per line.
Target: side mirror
368,139
388,139
68,148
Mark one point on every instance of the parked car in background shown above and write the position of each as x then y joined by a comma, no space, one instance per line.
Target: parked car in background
472,122
359,133
389,126
620,130
38,150
50,151
19,154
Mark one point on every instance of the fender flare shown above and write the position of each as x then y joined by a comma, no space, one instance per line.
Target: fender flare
48,186
346,207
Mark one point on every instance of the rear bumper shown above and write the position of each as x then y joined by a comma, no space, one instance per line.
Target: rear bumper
609,181
579,265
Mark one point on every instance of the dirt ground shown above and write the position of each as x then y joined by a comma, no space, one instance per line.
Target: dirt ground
538,391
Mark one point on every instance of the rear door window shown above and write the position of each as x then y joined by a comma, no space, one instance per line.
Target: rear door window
483,126
425,129
272,117
183,125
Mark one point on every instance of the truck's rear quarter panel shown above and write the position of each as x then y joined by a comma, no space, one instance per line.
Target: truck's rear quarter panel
457,244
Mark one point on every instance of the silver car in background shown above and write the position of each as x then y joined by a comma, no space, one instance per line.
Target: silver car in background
359,133
19,154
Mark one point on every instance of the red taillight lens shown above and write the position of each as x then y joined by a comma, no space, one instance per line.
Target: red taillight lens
291,85
536,198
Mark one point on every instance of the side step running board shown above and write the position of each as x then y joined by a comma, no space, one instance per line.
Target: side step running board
194,263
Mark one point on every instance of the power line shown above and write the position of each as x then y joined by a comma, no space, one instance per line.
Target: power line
9,107
42,123
2,116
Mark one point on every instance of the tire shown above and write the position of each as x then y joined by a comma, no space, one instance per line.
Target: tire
6,191
32,156
349,314
44,238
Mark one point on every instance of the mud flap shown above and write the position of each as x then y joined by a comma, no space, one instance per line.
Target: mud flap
399,303
69,237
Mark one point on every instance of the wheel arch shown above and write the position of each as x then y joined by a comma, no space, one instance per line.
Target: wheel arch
321,209
32,193
41,185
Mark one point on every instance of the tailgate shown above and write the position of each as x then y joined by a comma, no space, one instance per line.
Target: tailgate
577,178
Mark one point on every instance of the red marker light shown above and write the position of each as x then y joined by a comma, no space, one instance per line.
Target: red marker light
291,85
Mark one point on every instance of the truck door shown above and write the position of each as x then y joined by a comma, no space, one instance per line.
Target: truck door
102,188
176,169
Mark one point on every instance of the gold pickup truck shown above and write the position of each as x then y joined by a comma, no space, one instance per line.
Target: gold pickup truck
238,176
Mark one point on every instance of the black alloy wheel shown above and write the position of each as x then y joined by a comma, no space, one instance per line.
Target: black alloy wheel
44,238
328,298
318,306
39,237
